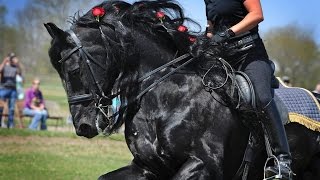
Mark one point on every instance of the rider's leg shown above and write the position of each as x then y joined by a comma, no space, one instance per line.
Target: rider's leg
278,139
260,74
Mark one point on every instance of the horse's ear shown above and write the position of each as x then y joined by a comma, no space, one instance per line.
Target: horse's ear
53,30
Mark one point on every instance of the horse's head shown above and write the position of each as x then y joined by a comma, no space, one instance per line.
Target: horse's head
94,56
84,57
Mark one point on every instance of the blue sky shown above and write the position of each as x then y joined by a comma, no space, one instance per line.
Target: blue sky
276,12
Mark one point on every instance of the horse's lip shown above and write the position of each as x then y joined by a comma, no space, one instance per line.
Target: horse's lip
101,123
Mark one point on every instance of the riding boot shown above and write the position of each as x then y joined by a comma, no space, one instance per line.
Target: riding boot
278,142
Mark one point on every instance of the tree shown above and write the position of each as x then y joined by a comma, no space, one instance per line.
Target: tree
2,27
296,52
34,38
3,12
9,36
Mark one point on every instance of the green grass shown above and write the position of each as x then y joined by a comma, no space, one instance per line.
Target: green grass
26,132
51,155
26,154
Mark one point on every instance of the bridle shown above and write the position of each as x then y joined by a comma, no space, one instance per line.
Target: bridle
99,97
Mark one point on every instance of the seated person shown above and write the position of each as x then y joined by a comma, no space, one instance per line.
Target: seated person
34,106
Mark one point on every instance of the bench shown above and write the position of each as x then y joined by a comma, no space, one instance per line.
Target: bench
52,107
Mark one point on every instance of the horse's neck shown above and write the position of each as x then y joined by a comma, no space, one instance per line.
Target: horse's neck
152,53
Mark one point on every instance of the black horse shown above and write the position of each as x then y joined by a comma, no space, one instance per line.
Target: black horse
174,129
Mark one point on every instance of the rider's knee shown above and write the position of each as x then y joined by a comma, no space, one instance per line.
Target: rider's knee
263,101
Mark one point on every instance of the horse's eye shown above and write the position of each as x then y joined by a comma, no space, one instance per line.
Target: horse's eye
75,81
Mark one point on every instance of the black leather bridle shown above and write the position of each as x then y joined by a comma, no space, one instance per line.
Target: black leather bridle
99,97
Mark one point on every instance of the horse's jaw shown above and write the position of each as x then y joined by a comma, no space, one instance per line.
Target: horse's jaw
103,125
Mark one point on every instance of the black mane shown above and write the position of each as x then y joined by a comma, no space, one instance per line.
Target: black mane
142,15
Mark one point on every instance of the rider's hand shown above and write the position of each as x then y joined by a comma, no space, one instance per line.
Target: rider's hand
222,37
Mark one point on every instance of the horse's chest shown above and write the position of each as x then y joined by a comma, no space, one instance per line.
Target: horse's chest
141,139
145,148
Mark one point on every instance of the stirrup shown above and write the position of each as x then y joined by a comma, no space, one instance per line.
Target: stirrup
277,164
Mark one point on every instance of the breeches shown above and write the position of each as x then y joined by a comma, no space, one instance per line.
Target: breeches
260,73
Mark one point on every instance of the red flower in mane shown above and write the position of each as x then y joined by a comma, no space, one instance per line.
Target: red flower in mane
160,15
192,39
98,12
182,28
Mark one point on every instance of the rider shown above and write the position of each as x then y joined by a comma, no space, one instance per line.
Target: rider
234,23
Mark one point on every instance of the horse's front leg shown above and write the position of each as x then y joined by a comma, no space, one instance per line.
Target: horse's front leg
193,169
131,172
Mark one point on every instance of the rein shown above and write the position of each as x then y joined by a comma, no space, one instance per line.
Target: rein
157,82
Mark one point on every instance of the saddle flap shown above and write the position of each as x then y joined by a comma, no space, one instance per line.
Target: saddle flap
246,90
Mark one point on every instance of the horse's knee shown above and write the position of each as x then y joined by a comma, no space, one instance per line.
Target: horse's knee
193,168
127,173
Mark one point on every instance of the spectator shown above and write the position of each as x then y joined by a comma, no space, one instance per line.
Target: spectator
34,106
286,81
317,89
9,69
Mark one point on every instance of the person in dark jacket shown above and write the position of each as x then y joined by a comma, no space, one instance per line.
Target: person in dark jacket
234,24
9,68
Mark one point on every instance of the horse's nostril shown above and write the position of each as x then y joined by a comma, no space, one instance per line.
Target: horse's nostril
86,130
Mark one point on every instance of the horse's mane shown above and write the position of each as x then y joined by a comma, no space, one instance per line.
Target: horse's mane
142,15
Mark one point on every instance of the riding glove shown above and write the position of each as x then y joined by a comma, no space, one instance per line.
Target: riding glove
222,37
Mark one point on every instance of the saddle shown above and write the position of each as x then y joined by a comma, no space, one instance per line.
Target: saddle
246,90
294,104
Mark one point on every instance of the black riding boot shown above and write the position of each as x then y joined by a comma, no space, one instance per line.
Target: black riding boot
278,141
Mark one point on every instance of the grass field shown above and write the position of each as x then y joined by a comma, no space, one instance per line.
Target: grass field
37,155
45,155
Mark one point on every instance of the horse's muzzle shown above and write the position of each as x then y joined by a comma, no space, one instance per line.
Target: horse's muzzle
87,130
